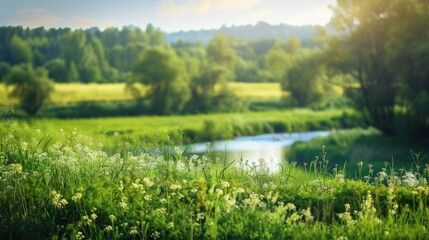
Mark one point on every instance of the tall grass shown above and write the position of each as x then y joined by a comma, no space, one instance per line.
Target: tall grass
71,186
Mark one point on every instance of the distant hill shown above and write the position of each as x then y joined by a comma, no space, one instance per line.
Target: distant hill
261,30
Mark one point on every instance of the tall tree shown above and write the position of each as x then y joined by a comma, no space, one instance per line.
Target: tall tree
220,52
165,74
365,25
20,51
408,55
31,86
306,80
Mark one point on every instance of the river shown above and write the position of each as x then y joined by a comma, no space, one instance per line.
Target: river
270,147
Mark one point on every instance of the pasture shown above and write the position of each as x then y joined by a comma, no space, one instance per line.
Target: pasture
78,92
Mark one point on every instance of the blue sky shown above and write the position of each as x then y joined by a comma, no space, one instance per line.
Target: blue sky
169,15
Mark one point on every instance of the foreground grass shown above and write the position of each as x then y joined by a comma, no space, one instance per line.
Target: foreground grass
206,127
76,187
349,147
78,92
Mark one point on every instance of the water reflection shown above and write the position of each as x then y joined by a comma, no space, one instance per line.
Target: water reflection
270,147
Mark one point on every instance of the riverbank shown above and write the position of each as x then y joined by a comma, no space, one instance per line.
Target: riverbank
199,128
76,187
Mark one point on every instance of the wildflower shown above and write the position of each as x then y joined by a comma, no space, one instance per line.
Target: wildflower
170,225
229,203
147,197
134,231
148,182
155,235
347,206
293,218
80,236
409,179
290,207
224,184
360,164
57,200
108,228
77,197
252,201
240,190
24,146
161,211
178,151
15,167
93,216
175,187
86,220
123,204
200,216
307,215
382,175
112,217
342,238
340,178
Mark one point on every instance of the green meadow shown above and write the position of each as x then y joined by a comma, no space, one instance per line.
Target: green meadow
79,187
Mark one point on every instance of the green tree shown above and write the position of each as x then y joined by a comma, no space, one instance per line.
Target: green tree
57,70
5,69
219,52
278,61
31,86
73,73
204,85
365,26
408,55
20,51
306,80
165,74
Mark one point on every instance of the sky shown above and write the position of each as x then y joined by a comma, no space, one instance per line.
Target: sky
168,15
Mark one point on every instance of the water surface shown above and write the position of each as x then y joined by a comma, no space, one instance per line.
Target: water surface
270,147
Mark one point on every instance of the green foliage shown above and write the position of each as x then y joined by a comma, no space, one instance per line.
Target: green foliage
219,52
408,51
31,86
306,80
165,74
57,69
5,69
366,27
75,187
20,51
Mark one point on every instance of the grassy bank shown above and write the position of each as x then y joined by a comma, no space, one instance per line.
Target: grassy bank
78,187
349,147
202,127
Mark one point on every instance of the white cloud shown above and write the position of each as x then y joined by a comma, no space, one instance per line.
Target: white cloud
200,7
36,17
85,22
261,14
316,15
237,5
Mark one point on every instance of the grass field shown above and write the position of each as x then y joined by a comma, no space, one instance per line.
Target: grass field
76,92
221,125
82,188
